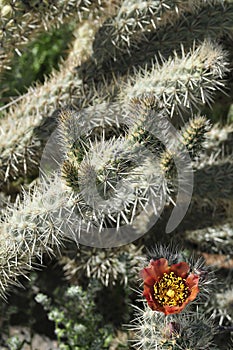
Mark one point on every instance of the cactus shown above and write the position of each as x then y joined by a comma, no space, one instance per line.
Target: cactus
214,178
216,239
25,157
22,157
29,228
221,306
177,332
201,22
174,83
22,20
119,134
110,266
193,135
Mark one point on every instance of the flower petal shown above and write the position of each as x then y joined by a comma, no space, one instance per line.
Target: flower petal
159,267
168,310
147,276
192,283
147,293
154,271
181,269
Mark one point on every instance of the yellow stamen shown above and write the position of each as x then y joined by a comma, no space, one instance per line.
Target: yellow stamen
170,293
171,290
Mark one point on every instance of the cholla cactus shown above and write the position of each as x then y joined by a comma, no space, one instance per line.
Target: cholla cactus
184,82
153,331
202,19
28,229
171,282
108,266
216,239
214,179
221,306
21,20
116,133
190,81
219,137
21,153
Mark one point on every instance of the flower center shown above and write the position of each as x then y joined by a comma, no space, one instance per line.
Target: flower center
171,290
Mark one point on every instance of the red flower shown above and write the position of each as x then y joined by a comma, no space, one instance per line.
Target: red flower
169,288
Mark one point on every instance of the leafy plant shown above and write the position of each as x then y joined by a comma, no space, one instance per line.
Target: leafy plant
78,325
